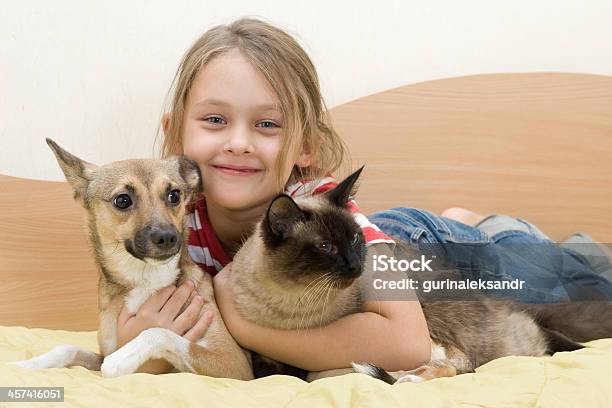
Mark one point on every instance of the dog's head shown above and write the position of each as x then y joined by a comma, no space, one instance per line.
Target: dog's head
135,207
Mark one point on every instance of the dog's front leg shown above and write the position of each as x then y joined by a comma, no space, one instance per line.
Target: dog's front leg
199,358
62,356
151,343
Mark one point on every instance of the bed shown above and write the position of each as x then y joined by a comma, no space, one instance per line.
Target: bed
534,145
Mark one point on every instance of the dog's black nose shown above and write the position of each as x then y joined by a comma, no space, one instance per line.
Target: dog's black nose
164,237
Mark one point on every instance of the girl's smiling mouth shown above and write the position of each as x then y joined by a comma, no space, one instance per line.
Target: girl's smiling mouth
235,170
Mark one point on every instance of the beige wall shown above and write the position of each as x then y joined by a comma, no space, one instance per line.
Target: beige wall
94,77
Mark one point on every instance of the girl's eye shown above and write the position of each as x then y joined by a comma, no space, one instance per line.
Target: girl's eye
174,197
355,239
122,201
215,120
267,124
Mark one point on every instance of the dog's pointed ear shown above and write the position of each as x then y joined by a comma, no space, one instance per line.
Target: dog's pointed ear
190,172
79,173
282,214
340,194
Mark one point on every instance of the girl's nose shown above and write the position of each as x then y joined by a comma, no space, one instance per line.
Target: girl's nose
239,143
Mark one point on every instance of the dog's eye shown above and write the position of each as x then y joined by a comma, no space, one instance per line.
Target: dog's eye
122,201
355,239
174,197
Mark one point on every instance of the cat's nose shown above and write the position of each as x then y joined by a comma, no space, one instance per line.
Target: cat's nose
353,266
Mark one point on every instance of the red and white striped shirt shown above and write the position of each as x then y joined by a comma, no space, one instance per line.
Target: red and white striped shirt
206,250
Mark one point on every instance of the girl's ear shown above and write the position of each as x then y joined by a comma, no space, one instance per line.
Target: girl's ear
177,149
165,123
306,156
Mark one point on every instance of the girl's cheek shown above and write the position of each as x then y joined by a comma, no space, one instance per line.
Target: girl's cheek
197,142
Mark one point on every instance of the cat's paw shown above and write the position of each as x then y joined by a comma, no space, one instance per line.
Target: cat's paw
415,379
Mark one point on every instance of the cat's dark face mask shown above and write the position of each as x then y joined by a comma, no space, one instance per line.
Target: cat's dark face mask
323,242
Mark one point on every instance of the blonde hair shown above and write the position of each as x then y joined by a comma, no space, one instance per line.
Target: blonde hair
290,73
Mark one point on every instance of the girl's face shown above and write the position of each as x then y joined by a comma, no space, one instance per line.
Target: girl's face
232,129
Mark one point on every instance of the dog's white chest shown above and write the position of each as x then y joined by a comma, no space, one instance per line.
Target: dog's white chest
137,296
145,278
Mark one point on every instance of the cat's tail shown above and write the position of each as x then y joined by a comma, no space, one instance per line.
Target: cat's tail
578,321
374,371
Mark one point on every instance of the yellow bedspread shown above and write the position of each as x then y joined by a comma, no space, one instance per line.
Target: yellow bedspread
579,379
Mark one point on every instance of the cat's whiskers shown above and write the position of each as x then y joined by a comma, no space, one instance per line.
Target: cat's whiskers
318,279
312,299
317,301
309,288
308,300
331,287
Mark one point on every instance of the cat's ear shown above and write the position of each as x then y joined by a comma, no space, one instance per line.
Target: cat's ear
282,214
346,189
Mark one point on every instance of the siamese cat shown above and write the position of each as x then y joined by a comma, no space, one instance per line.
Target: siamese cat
302,268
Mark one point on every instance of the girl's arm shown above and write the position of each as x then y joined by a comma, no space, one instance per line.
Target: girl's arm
390,334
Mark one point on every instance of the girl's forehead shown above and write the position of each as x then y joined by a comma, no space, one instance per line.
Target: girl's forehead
231,79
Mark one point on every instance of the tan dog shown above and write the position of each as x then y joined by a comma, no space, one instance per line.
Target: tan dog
137,228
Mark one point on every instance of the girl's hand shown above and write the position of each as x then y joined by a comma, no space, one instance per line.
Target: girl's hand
162,310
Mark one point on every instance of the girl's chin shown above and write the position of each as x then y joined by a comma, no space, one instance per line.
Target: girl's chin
236,201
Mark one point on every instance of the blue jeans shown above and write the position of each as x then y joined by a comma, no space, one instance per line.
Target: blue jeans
551,273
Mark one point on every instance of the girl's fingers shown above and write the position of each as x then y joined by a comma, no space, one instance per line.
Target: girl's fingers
197,332
124,316
172,307
149,308
189,317
154,304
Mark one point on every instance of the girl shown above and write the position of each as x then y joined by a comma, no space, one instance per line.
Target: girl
247,107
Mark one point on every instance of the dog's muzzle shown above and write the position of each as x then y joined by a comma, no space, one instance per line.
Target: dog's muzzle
157,242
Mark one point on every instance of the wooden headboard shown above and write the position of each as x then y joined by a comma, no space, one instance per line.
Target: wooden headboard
538,146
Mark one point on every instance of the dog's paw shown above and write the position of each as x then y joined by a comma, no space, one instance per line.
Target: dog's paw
132,355
31,364
59,357
124,361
